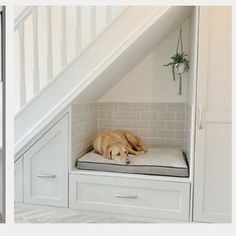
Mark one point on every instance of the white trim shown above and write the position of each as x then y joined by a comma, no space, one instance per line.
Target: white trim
193,121
23,16
63,37
49,44
126,175
35,52
78,44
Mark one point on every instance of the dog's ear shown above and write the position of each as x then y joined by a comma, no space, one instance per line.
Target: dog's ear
132,140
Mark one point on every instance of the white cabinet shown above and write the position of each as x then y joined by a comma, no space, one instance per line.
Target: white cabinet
18,177
46,167
212,178
130,195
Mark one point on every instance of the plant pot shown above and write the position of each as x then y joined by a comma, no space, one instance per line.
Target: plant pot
179,68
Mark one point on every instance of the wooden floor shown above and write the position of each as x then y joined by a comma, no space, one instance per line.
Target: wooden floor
37,214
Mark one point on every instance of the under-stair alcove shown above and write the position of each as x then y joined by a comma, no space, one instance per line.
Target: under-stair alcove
138,94
143,99
124,87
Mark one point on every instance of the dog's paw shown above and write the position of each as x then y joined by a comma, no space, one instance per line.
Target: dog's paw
140,152
126,162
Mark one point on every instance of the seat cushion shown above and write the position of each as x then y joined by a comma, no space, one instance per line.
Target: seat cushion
157,161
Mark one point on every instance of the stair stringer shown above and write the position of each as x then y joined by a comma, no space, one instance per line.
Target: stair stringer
119,48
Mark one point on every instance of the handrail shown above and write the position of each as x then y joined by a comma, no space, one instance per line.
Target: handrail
23,16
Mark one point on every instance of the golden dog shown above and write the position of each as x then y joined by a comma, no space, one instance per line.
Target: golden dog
116,145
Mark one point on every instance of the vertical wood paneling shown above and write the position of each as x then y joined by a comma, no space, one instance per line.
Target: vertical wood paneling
93,22
63,37
78,42
21,32
36,83
49,45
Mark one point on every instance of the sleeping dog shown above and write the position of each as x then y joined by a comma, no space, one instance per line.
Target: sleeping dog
116,145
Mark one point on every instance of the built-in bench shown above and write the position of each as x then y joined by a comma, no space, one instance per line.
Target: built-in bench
157,161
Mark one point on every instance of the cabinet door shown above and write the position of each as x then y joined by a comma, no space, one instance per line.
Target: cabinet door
212,178
46,168
18,170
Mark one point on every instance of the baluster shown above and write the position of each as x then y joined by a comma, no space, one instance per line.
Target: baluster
63,37
78,45
49,48
108,15
21,32
93,22
35,42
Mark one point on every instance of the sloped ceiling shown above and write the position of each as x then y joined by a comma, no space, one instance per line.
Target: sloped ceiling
131,57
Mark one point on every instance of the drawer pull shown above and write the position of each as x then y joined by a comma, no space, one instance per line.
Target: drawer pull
126,196
45,176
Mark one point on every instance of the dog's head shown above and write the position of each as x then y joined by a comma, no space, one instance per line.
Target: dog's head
118,153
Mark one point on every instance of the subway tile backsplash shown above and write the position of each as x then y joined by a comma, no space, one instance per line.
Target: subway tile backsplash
158,124
83,128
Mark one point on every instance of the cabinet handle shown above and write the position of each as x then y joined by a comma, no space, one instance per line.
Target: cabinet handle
200,109
125,196
45,176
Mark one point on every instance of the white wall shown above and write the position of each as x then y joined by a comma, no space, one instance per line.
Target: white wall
150,81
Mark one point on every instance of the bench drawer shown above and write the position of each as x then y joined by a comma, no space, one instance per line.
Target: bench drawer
132,196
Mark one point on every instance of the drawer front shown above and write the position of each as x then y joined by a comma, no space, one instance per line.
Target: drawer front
148,198
46,168
18,180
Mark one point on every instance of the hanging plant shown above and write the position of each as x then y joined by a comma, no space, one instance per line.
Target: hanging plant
179,63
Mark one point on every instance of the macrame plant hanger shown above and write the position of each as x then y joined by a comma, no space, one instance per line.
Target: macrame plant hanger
180,44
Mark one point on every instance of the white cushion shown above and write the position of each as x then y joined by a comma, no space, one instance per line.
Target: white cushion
157,161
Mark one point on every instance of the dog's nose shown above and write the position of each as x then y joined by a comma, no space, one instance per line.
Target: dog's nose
127,161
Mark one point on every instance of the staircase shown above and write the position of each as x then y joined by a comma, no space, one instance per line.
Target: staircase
82,63
49,38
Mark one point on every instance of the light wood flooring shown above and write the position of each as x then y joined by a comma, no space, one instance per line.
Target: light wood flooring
41,214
